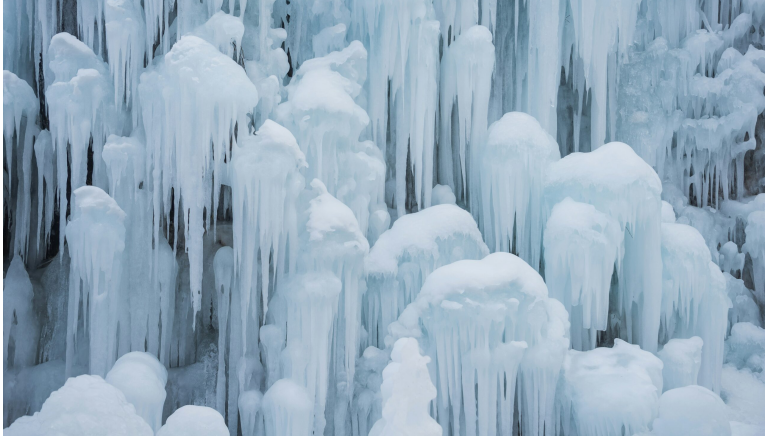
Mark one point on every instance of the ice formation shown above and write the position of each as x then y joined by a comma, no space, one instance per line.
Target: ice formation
620,184
237,212
609,391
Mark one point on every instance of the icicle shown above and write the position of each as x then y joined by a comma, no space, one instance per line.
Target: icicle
223,279
124,33
20,109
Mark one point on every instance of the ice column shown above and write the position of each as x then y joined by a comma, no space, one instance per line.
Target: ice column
407,392
404,256
96,239
755,246
508,180
681,362
582,248
287,410
266,181
19,320
192,100
466,81
223,279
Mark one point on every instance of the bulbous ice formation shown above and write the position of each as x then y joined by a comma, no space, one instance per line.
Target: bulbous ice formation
508,180
607,391
619,183
196,85
404,256
478,319
681,362
100,409
287,410
582,248
407,392
691,411
142,379
194,421
96,239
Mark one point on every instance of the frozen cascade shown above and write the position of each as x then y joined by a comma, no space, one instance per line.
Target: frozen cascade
619,183
142,379
192,83
81,108
508,180
406,254
477,320
96,240
402,38
582,246
608,390
277,142
469,60
266,181
287,410
20,110
407,392
681,362
19,321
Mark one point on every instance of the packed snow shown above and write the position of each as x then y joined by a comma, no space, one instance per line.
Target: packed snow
384,217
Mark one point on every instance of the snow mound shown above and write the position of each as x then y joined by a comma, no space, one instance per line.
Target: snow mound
194,421
142,379
691,411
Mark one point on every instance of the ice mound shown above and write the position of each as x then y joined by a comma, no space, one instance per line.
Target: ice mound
691,411
681,362
194,421
142,379
85,405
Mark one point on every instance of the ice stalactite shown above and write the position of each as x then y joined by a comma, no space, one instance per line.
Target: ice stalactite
46,185
466,81
90,18
621,185
266,182
96,240
681,362
142,379
323,114
19,20
603,31
192,85
582,248
610,391
20,110
403,70
508,181
125,43
695,301
223,31
305,308
224,271
82,115
477,320
20,326
407,392
332,241
457,17
406,254
754,246
287,410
